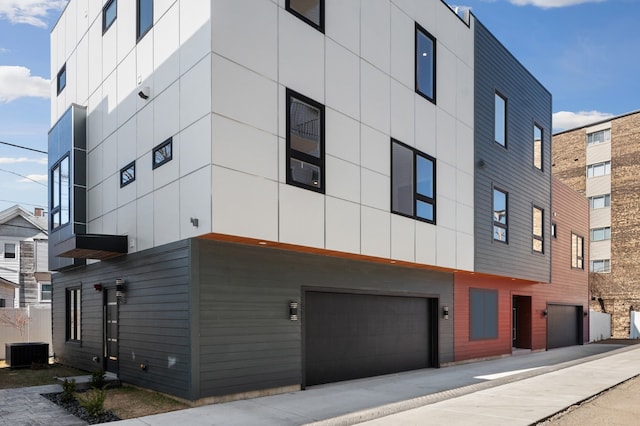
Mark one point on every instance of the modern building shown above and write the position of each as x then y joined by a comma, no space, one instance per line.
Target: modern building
24,277
600,162
249,200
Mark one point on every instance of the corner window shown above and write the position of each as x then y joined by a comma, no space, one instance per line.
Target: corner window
499,215
9,251
538,230
127,174
74,314
45,292
144,17
310,11
600,201
601,234
109,14
162,153
577,251
60,193
61,79
599,169
483,314
599,137
305,142
601,266
425,64
537,147
500,119
413,176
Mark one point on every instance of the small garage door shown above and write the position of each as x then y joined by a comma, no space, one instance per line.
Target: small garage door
349,336
564,326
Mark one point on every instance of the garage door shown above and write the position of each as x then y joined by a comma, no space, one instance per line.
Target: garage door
564,326
349,336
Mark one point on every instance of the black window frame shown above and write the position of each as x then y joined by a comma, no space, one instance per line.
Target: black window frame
7,254
577,255
554,230
538,149
496,223
318,26
106,25
73,322
416,196
498,94
123,174
140,32
482,301
61,78
419,30
57,186
155,164
301,156
534,236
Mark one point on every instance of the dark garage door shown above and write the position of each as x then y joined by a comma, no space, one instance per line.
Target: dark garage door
348,336
564,325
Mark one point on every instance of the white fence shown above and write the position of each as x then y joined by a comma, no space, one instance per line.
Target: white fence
599,326
23,325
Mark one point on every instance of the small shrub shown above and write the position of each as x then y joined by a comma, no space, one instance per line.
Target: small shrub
97,379
68,388
93,401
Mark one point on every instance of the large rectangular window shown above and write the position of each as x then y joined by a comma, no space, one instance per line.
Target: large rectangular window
9,250
601,234
599,169
144,17
500,119
537,147
600,266
600,201
310,11
60,193
74,314
483,314
599,137
425,64
577,251
413,183
500,215
61,79
305,142
538,230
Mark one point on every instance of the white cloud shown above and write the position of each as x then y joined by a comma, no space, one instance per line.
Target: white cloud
4,50
14,160
34,178
17,82
31,12
548,4
563,120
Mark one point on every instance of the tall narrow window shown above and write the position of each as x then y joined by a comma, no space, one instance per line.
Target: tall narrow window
145,17
413,188
425,64
599,169
45,292
74,314
500,120
310,11
61,79
60,193
9,251
500,215
483,314
538,229
537,147
109,14
305,142
577,251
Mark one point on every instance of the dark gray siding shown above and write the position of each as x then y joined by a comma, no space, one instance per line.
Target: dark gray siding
154,320
247,341
511,169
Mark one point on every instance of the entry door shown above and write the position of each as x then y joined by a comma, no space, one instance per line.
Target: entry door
110,331
521,322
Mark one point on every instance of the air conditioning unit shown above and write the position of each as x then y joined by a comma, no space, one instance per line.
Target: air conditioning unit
26,354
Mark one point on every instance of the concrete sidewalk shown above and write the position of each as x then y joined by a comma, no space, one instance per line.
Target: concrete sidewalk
520,389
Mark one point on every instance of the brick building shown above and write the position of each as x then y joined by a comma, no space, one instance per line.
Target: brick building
600,161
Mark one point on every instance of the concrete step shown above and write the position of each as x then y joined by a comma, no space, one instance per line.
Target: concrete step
84,382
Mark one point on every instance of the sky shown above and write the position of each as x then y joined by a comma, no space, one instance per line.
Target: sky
585,52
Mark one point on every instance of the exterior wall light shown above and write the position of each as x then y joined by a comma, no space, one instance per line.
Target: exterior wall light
545,313
120,289
97,287
445,312
293,311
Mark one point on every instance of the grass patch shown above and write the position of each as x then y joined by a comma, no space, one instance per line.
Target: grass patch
25,377
128,402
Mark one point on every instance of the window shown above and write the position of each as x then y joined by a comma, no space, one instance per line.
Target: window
538,229
74,314
45,292
145,17
499,215
127,174
310,11
600,266
413,177
425,64
305,142
109,14
577,251
483,315
599,169
600,201
62,78
3,303
599,137
537,147
554,230
60,196
9,251
601,234
500,120
162,153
